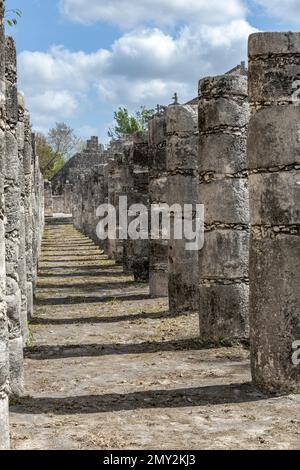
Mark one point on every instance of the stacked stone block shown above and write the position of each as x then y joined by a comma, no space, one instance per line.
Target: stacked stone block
28,201
158,268
22,273
13,223
223,189
183,183
274,162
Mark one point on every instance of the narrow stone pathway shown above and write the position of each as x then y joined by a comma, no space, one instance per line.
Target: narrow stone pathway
108,367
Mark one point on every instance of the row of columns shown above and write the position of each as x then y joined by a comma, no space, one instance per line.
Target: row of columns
237,153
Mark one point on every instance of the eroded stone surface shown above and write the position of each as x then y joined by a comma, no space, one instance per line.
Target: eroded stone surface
273,155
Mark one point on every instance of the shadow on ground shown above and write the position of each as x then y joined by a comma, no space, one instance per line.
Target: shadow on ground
177,398
43,352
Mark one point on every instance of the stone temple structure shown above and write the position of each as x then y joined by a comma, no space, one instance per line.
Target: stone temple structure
234,149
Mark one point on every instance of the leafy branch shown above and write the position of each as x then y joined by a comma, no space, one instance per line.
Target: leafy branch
11,16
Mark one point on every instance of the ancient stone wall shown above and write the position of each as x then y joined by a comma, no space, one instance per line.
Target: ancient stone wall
274,162
223,189
21,226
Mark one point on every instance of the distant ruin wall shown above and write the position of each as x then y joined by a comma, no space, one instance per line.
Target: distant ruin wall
92,156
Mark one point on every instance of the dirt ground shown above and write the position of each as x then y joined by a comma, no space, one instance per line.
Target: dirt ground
108,368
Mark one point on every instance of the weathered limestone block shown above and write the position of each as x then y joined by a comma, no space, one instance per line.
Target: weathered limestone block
12,226
157,136
4,362
224,259
182,188
274,162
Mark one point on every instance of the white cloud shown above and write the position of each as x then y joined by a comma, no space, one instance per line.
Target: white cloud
288,10
145,66
130,13
61,103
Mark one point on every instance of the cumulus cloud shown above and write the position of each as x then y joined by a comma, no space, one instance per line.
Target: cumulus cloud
145,65
130,13
61,103
141,65
288,10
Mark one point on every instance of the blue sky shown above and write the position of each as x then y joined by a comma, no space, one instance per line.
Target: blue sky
79,60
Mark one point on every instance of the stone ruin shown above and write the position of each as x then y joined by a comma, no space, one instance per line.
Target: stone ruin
21,227
214,151
234,149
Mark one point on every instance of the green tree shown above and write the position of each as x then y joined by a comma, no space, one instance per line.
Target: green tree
12,16
50,162
129,123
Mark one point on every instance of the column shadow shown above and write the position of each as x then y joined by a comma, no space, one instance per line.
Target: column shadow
150,399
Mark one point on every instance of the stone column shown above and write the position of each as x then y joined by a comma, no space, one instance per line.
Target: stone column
137,251
127,185
4,364
224,259
22,248
68,198
274,162
28,165
115,186
182,166
12,226
158,271
36,223
84,207
76,203
48,199
98,199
